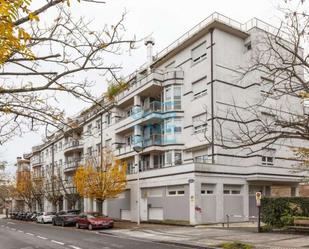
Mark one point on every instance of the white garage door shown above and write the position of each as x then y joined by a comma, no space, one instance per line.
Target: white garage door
125,214
155,213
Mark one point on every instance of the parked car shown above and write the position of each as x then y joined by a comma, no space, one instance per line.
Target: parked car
65,218
45,217
94,220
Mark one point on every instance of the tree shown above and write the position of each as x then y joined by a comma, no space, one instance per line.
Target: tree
40,62
279,66
69,192
23,188
101,181
53,187
38,191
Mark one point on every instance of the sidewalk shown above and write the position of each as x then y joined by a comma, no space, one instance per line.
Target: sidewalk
211,237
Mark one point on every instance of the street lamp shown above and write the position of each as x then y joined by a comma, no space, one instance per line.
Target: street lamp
138,149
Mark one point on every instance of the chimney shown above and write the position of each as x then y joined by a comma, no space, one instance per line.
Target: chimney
149,42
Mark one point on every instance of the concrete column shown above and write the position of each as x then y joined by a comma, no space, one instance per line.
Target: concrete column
65,203
85,205
195,205
144,205
94,204
220,203
133,202
246,201
105,210
90,205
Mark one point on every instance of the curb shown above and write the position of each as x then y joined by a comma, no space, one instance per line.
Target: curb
185,245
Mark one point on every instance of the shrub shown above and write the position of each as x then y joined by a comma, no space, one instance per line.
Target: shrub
236,245
280,211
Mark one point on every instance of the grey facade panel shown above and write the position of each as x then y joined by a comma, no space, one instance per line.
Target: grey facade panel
174,207
209,209
114,206
233,205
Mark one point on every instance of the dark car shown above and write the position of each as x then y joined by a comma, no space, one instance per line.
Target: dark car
66,218
94,220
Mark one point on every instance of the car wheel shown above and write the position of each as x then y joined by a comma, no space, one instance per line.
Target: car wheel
77,225
90,227
62,224
43,222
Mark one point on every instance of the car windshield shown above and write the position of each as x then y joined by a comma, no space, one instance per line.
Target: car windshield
49,213
95,215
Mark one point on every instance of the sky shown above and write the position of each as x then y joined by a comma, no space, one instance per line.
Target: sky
165,20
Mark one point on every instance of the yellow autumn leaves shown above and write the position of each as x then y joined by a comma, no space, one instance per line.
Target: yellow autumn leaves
101,183
14,39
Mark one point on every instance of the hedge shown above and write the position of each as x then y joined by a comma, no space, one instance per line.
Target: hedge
280,211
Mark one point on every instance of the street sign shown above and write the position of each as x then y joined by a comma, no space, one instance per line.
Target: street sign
258,197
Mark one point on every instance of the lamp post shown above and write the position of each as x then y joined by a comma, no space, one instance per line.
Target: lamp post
138,149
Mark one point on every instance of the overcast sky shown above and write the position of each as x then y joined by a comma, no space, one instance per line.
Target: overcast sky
165,20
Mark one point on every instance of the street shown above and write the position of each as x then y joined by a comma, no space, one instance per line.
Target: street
25,235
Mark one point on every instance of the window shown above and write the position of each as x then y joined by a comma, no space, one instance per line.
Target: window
175,191
266,160
177,97
231,189
201,159
60,162
108,118
98,148
168,157
129,140
172,98
199,123
268,157
198,53
89,127
207,189
89,151
60,145
199,88
98,124
178,157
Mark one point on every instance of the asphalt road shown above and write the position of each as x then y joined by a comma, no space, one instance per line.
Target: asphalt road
27,235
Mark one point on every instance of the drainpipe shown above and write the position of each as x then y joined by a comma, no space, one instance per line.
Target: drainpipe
212,96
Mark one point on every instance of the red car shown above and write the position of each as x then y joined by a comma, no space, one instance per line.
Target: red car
93,220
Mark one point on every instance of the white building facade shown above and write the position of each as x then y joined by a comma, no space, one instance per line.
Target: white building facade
169,110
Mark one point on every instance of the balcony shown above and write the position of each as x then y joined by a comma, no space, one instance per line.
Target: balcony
37,163
72,165
145,85
150,114
74,145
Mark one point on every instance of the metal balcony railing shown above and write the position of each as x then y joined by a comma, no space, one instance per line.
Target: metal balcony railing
71,165
73,144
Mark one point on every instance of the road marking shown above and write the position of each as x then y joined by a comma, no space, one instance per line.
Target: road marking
74,247
20,231
40,237
30,234
13,229
10,223
57,242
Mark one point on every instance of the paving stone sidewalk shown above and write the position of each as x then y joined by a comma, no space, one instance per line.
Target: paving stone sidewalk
211,237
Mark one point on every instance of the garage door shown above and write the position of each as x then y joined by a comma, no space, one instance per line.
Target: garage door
155,213
125,214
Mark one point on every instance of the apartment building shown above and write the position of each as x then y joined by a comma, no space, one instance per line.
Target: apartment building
168,112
